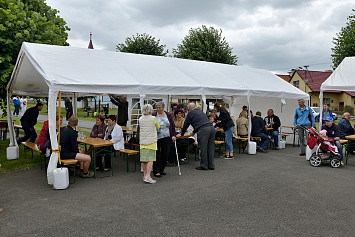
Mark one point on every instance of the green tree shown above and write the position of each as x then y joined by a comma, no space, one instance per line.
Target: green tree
142,44
344,42
27,20
206,44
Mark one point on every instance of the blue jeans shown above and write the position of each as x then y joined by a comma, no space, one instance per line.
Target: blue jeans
229,139
340,149
17,110
275,135
264,140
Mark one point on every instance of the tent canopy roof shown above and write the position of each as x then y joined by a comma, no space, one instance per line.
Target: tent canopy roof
42,67
343,78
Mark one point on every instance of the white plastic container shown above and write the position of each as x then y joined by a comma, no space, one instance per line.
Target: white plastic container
251,148
60,178
309,152
282,144
12,152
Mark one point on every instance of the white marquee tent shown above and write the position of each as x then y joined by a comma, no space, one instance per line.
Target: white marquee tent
342,79
44,70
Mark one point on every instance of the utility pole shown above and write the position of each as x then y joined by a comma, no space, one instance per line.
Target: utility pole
305,83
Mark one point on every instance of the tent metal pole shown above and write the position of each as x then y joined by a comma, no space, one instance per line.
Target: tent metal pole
320,109
75,104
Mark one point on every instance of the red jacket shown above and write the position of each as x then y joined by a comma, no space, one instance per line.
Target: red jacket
41,134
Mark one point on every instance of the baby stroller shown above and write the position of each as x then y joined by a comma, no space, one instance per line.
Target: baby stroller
324,152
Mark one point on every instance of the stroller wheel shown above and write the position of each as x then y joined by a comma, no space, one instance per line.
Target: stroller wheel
335,163
315,160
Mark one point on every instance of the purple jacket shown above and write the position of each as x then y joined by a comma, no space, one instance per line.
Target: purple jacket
172,130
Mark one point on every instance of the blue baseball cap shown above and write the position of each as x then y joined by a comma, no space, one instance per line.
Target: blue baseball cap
329,119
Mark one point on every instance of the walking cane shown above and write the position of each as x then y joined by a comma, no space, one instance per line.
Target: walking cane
177,158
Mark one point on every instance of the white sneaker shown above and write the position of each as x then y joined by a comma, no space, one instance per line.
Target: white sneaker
151,181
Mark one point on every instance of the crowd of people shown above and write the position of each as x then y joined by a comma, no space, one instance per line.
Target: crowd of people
160,133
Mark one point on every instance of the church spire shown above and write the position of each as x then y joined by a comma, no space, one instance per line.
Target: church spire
91,46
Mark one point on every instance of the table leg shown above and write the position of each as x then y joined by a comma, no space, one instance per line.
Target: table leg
111,154
94,152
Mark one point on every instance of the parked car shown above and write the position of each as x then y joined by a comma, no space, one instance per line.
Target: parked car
316,110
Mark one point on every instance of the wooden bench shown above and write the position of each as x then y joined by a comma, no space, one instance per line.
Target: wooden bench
30,146
129,154
131,144
219,144
241,141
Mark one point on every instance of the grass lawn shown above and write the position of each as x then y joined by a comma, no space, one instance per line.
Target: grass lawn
82,115
10,165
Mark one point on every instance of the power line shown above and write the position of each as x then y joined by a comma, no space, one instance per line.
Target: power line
289,68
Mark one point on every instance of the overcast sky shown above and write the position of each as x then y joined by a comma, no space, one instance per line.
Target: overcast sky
277,35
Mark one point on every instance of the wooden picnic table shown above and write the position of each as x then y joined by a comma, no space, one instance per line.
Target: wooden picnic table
129,129
95,143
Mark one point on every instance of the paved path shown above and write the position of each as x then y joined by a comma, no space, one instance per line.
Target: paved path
273,194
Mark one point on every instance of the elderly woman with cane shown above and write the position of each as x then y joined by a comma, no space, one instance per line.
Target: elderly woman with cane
148,127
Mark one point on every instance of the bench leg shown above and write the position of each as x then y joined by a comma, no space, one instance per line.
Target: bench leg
127,162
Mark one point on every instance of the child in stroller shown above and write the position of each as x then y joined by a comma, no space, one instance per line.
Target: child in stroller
326,150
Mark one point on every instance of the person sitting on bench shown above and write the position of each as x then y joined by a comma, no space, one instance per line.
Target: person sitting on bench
70,149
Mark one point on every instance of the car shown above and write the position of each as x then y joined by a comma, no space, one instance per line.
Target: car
316,110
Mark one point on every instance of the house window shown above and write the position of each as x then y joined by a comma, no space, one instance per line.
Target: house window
326,101
296,84
315,104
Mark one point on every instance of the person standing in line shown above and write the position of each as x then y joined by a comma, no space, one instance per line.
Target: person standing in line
303,117
23,102
122,109
166,135
224,120
28,121
205,135
68,108
148,130
17,104
272,121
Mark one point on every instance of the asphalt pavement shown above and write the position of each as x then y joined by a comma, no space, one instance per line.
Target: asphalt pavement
272,194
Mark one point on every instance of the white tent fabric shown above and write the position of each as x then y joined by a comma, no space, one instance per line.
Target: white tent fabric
342,79
87,71
44,70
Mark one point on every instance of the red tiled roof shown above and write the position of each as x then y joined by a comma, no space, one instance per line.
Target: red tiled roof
285,77
314,79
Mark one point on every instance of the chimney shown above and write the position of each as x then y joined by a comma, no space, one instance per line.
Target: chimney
328,70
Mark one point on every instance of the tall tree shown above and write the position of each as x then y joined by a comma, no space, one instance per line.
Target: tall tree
206,44
27,20
142,44
344,42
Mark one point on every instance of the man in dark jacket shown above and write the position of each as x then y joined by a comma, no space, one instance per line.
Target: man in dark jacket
345,127
70,150
333,133
258,130
272,121
68,108
28,121
122,109
205,135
